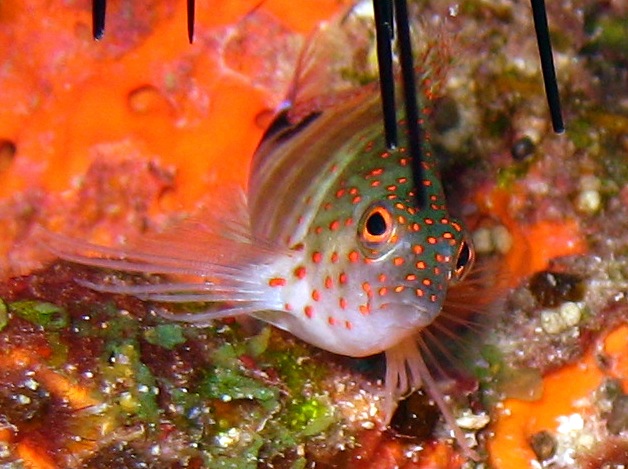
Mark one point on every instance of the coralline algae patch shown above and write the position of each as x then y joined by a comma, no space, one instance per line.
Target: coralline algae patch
579,417
142,103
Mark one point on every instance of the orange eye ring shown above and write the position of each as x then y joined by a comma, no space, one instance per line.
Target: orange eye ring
465,258
377,226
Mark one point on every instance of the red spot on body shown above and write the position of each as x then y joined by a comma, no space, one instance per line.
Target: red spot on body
277,282
334,225
381,278
366,287
399,288
356,200
353,256
349,221
377,172
318,230
397,261
415,227
340,193
432,240
403,161
402,180
382,291
342,278
391,188
317,257
427,282
364,309
385,155
331,321
428,221
309,312
334,257
433,298
401,219
427,183
342,303
353,191
436,271
448,235
327,206
411,277
417,249
348,325
316,296
420,265
300,272
420,293
444,221
375,183
456,226
328,282
287,307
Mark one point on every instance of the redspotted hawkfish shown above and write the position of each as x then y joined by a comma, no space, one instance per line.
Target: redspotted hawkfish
330,246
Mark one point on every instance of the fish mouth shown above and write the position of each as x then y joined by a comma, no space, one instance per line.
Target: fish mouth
412,313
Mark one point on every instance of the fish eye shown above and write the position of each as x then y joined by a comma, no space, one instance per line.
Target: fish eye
376,229
464,260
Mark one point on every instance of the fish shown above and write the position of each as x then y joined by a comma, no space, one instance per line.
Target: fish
327,242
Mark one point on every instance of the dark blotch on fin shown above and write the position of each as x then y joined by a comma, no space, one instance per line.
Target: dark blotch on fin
283,128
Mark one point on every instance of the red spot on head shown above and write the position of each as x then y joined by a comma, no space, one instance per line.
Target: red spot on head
328,282
331,321
402,180
364,309
448,235
415,227
456,226
353,256
444,221
356,200
397,261
391,188
375,183
318,230
342,278
334,225
420,265
277,282
309,312
427,182
382,291
399,288
432,240
316,296
340,193
334,257
420,293
433,298
428,221
401,219
377,172
348,325
317,257
418,249
381,278
287,307
411,277
300,272
427,282
342,303
366,287
349,221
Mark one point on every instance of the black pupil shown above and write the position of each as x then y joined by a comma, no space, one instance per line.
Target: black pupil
375,224
463,256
